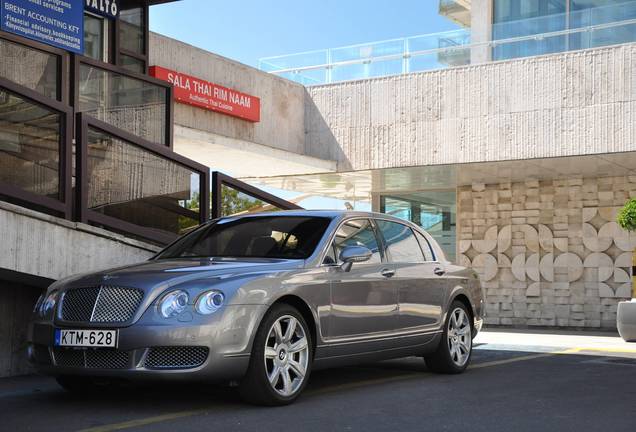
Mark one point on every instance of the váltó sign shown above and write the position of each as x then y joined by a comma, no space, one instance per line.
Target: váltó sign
204,94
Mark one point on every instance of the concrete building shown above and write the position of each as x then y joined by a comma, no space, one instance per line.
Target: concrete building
511,140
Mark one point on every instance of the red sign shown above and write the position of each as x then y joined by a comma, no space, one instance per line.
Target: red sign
204,94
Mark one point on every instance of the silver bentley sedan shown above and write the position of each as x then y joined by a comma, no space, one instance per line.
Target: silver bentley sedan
261,300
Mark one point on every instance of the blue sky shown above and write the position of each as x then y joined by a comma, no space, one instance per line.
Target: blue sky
247,30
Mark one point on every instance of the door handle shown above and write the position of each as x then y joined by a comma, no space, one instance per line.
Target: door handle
439,271
388,273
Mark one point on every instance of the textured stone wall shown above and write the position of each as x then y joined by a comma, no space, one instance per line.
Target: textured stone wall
549,253
564,104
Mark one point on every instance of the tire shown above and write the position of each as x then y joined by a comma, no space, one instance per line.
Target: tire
455,349
280,364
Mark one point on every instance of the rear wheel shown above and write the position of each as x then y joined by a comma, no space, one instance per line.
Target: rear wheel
281,358
455,349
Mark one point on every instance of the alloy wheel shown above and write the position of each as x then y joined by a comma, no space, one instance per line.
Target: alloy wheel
459,337
286,355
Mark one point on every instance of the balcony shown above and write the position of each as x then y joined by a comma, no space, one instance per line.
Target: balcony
590,28
457,11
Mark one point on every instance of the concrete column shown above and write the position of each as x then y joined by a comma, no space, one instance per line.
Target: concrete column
481,30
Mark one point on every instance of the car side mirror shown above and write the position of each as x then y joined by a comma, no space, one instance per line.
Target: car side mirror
354,254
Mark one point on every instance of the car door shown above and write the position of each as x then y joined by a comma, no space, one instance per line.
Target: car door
419,279
363,300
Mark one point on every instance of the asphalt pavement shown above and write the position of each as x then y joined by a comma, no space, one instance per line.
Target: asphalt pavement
518,381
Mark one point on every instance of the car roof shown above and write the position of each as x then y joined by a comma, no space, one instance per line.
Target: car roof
333,214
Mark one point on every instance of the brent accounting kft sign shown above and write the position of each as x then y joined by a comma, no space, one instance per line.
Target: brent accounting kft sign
204,94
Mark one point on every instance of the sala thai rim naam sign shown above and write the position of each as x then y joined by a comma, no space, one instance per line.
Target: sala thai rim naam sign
204,94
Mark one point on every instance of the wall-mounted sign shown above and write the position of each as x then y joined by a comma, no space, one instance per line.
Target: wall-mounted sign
204,94
106,8
59,23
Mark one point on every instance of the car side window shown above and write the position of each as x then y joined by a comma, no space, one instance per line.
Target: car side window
401,243
357,232
426,247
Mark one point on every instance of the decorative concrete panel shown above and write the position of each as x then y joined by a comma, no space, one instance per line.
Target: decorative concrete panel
549,252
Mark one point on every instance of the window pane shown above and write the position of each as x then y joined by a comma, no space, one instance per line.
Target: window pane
401,243
434,211
132,30
132,64
132,184
29,146
286,237
30,68
357,232
94,37
426,247
127,103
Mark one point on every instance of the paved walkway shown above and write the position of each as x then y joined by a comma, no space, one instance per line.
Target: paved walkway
580,342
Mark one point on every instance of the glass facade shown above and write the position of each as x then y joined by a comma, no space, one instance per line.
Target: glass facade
127,103
132,184
29,146
94,37
579,18
132,30
434,211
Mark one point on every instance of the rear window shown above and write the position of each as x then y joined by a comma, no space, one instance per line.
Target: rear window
401,243
288,237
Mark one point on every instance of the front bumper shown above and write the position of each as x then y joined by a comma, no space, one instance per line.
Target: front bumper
219,344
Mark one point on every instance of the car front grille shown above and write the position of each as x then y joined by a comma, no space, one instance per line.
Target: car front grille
176,357
92,359
103,304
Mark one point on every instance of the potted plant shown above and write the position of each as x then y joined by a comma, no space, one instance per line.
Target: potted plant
626,313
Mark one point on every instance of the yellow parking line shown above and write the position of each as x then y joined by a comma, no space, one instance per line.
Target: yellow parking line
177,415
509,360
600,350
145,421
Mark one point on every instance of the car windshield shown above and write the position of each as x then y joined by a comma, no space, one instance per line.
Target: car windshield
288,237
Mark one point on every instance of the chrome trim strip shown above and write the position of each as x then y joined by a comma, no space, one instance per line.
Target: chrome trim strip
99,294
378,339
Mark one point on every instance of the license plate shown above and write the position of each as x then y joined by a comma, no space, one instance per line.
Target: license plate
86,338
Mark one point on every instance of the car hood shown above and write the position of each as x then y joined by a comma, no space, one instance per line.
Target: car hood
165,273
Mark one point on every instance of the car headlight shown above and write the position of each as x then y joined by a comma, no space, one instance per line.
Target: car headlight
36,308
209,302
48,304
173,303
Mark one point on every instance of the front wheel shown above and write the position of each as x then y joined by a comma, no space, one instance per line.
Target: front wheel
281,359
455,349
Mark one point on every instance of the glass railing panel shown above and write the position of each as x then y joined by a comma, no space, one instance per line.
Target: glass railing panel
368,51
31,68
438,40
308,77
293,61
535,46
133,105
234,202
132,184
29,146
370,69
